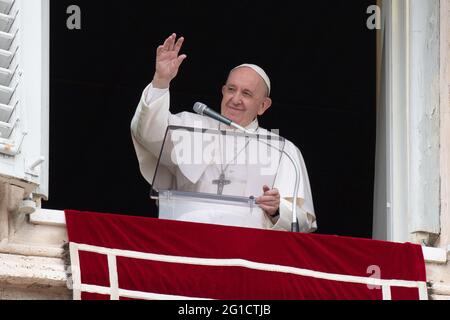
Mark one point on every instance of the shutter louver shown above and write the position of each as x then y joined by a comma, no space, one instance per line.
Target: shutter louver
24,94
9,77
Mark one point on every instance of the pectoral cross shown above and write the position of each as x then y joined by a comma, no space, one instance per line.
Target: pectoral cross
221,183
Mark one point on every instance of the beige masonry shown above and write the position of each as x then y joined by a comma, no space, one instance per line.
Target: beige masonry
439,273
31,251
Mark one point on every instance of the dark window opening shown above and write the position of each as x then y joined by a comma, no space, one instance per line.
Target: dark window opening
321,58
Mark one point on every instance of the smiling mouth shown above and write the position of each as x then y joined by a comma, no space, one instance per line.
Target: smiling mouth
235,109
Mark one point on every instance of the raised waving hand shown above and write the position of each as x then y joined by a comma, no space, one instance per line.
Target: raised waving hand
168,61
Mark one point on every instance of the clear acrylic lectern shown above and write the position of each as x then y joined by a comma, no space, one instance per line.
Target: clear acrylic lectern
215,176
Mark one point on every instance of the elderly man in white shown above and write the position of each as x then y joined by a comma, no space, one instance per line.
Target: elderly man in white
246,95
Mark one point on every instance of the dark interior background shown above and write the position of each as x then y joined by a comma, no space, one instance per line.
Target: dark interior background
319,54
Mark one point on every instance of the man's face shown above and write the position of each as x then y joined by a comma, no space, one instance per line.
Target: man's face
244,96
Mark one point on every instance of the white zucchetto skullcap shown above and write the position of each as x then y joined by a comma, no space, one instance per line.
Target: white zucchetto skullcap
259,71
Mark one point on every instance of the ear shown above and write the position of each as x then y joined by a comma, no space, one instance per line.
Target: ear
267,103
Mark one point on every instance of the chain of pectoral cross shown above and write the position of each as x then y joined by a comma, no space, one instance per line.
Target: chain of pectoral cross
222,181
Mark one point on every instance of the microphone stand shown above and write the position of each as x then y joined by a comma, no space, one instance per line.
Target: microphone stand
295,226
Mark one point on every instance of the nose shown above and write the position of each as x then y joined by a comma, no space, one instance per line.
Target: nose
236,98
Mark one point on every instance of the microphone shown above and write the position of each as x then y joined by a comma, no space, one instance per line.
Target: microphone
203,110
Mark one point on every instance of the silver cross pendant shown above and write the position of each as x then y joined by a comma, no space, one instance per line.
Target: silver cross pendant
221,183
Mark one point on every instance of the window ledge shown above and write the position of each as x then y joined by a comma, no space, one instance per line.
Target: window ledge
435,255
48,218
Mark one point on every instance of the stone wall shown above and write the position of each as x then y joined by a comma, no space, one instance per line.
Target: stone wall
439,274
31,253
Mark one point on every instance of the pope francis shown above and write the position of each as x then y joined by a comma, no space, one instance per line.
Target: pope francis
246,96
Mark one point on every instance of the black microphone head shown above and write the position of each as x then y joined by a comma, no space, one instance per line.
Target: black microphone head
200,108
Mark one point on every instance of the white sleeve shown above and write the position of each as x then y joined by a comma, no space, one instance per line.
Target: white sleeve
151,119
148,129
152,94
285,182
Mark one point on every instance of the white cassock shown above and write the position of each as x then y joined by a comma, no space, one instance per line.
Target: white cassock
149,127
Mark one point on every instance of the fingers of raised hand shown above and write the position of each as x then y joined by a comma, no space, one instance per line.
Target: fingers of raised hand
170,42
181,59
178,45
160,50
